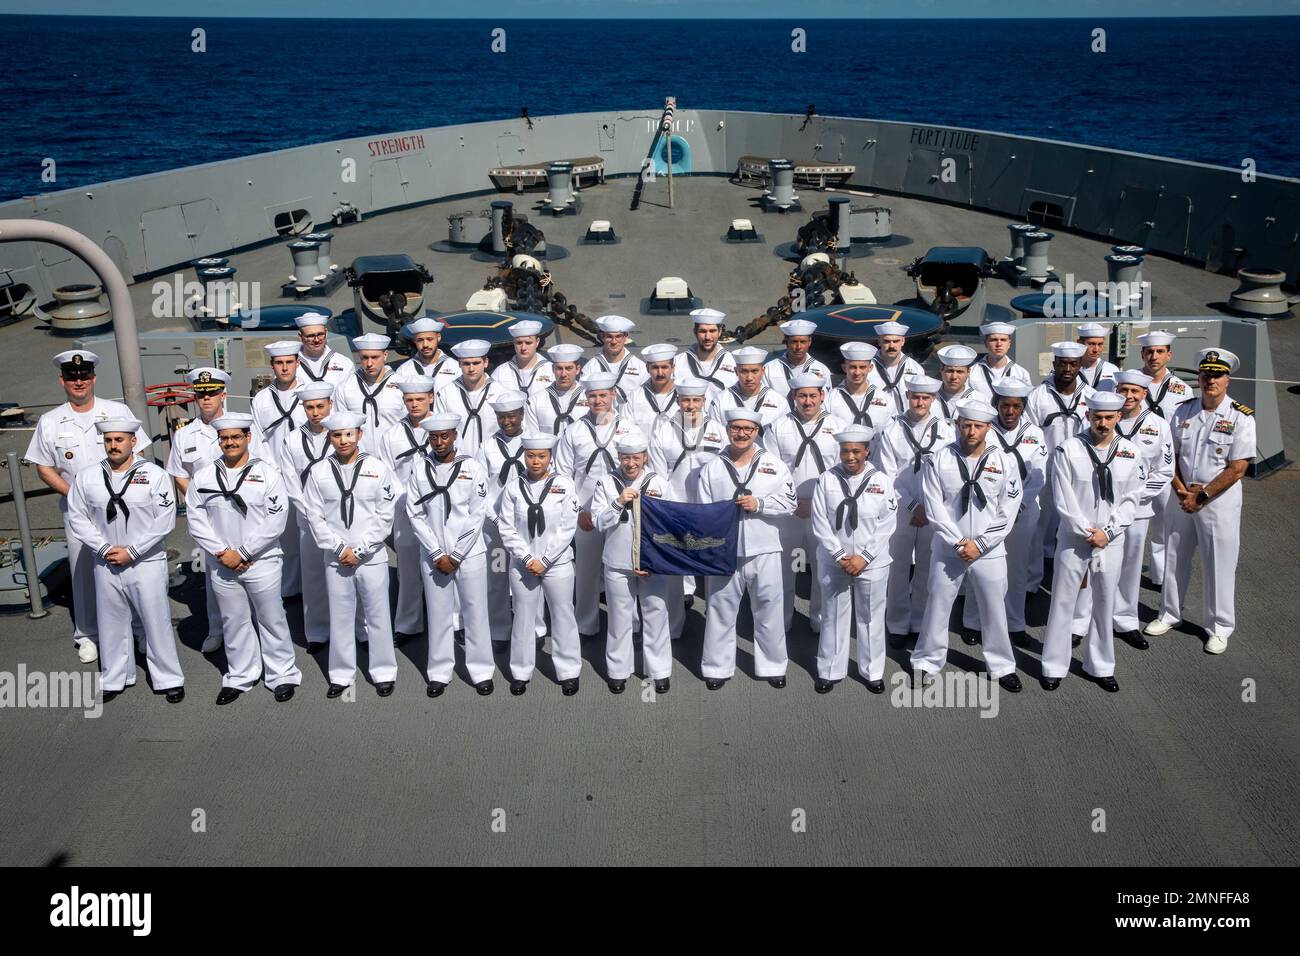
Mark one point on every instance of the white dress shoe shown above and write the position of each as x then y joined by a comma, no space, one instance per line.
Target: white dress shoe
1216,644
1157,627
212,643
87,652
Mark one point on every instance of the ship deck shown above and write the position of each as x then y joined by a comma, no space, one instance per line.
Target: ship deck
1186,771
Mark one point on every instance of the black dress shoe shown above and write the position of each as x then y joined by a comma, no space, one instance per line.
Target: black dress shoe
1108,684
517,687
1011,683
335,690
876,686
896,640
824,686
569,687
484,688
663,685
970,636
292,598
1133,639
617,686
777,682
284,692
315,647
175,695
110,695
385,688
1049,683
1020,638
713,683
401,637
1076,640
228,694
435,688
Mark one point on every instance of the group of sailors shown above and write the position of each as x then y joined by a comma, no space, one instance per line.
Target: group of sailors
506,493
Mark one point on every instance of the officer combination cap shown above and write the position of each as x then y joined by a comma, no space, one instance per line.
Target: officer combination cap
957,356
76,360
1217,360
206,380
922,384
707,316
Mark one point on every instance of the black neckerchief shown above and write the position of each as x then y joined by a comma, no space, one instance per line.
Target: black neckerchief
943,403
620,484
919,451
284,416
622,370
531,378
654,400
324,366
433,372
1153,403
971,483
508,460
1137,423
117,499
566,416
410,437
536,509
601,450
437,489
1105,483
312,460
697,370
742,484
861,414
1014,449
472,413
687,447
347,504
1062,411
809,442
743,402
846,512
893,386
368,397
1101,366
230,494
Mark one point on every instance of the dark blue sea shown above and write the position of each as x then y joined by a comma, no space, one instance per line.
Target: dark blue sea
114,97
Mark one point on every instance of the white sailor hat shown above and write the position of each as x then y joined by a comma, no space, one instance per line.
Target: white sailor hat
526,327
956,356
424,324
806,380
632,442
742,414
441,422
862,433
858,351
371,342
510,401
275,349
309,319
689,387
707,316
749,355
615,323
1091,330
798,327
922,385
206,379
416,384
1133,376
1068,350
564,352
976,410
75,359
997,328
658,353
1157,337
233,420
128,425
891,328
1217,360
471,348
1104,402
539,442
598,381
342,418
1012,388
315,390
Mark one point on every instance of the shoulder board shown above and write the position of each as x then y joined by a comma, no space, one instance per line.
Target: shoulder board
1244,409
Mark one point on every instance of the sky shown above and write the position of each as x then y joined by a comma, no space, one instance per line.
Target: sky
656,9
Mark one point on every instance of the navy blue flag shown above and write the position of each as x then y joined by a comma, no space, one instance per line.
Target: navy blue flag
678,538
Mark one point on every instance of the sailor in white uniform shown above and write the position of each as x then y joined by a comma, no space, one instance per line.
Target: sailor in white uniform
971,492
794,360
317,362
1166,392
502,456
350,499
890,366
657,396
1094,369
277,414
526,371
429,360
1214,442
64,444
955,362
856,401
585,453
614,358
122,512
1097,481
804,440
564,401
539,515
371,390
706,359
304,449
854,512
750,391
900,452
1151,434
994,366
760,485
237,509
470,395
401,447
1022,442
446,504
625,584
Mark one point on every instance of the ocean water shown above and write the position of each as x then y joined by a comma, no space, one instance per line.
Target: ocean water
114,97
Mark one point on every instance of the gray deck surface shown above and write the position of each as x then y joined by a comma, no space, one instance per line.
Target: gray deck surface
1186,772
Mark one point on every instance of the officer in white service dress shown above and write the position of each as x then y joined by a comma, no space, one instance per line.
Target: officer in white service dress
856,401
303,449
527,371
